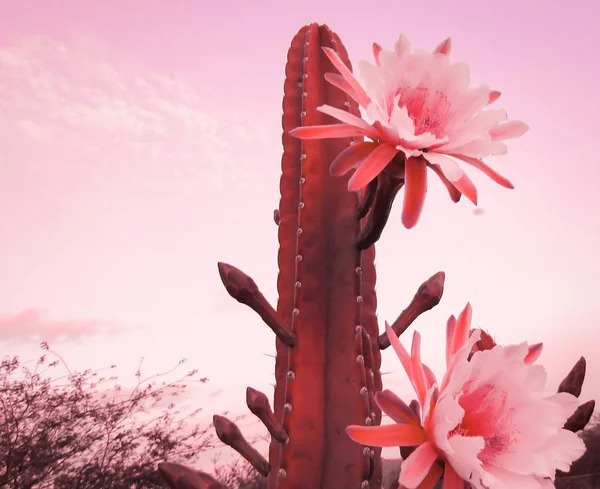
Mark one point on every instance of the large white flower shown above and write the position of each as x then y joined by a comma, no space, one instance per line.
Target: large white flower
488,421
421,107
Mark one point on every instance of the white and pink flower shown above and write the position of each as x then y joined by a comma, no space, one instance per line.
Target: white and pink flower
488,422
422,108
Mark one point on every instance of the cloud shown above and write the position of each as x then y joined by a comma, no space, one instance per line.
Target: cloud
33,324
80,97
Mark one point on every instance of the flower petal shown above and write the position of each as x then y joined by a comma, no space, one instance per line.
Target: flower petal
494,95
534,353
430,376
420,381
500,477
460,356
498,148
480,165
454,173
403,124
565,448
400,350
350,119
416,467
464,458
351,157
432,477
415,191
363,98
451,479
395,407
461,330
445,416
340,82
450,325
455,195
326,132
444,47
568,404
395,435
431,398
402,46
376,50
372,166
509,130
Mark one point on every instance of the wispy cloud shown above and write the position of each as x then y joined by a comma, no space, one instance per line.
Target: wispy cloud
72,96
34,324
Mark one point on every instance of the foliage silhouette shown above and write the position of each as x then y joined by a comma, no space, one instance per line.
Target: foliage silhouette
72,432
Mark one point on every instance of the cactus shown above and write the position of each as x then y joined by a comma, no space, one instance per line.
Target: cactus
328,343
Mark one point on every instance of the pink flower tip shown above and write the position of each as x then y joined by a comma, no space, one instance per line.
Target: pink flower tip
444,47
409,116
490,421
494,95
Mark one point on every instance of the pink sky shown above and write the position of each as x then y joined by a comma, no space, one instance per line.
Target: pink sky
140,143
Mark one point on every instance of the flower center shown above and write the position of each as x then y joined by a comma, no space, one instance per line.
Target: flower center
486,415
428,109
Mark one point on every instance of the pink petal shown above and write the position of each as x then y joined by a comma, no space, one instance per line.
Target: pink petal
431,399
464,458
444,47
430,376
388,134
480,165
451,479
416,467
566,402
450,325
404,125
461,330
494,95
432,477
351,157
509,130
507,478
417,369
340,82
372,166
327,132
415,191
400,350
376,50
476,148
416,407
461,356
454,81
445,417
457,177
350,119
402,46
395,407
471,102
534,352
498,148
363,98
565,447
455,195
466,186
395,435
